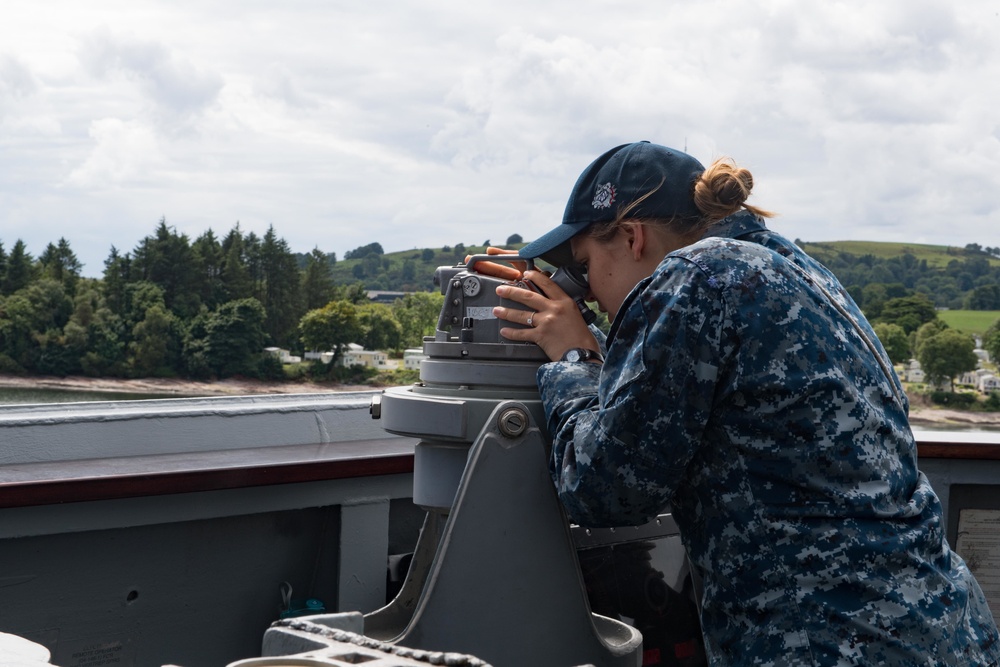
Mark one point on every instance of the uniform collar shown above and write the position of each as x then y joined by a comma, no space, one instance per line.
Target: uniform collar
735,226
730,227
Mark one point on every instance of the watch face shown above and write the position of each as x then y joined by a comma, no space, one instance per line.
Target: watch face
573,355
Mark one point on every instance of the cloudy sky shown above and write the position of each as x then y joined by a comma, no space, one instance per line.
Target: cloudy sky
422,124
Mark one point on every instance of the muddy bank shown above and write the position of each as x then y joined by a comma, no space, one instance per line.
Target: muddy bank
919,414
173,386
960,418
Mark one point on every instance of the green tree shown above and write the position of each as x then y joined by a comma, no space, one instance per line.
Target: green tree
355,293
20,268
409,271
895,342
106,347
140,296
514,239
234,272
155,345
364,251
59,262
279,289
31,323
167,260
984,297
909,312
947,355
331,327
873,296
925,331
117,270
54,355
317,283
379,328
208,259
417,314
226,342
991,341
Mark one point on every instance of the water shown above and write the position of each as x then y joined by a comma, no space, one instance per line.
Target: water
974,428
22,396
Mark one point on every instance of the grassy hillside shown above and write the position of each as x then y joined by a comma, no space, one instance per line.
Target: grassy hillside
406,270
413,270
970,321
937,256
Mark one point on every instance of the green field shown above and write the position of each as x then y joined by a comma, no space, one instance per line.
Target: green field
969,321
936,256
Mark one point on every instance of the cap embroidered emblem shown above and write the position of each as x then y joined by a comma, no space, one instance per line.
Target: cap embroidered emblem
604,196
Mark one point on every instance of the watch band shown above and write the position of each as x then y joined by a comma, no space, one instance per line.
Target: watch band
581,354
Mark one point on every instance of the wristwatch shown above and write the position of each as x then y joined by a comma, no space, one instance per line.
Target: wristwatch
581,354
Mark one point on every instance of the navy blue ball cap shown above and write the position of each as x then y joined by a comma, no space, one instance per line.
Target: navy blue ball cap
617,179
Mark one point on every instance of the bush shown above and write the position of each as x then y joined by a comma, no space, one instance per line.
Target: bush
318,369
397,378
9,366
953,399
356,374
992,402
295,371
270,368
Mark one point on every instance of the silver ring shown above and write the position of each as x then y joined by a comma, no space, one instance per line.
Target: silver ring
529,319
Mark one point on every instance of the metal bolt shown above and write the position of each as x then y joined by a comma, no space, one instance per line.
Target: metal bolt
513,422
375,409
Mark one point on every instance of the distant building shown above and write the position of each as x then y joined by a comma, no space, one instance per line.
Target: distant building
971,378
284,356
988,383
325,357
913,372
412,358
356,355
379,296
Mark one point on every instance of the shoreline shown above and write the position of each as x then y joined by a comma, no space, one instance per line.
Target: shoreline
924,416
919,414
174,386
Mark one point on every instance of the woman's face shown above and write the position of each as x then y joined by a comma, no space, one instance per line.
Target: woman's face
612,270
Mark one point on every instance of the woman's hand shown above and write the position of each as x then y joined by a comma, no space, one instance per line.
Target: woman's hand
498,270
555,322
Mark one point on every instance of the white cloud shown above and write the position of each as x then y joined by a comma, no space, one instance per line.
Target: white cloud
172,81
16,80
442,122
125,152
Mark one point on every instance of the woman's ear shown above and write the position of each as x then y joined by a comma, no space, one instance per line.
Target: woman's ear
637,237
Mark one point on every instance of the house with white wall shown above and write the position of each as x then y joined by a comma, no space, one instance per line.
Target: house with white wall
988,383
412,358
912,372
283,355
356,355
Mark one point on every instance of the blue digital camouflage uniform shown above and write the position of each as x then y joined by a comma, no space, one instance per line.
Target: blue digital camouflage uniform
738,394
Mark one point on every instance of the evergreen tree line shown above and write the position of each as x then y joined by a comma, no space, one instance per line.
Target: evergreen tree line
208,307
173,307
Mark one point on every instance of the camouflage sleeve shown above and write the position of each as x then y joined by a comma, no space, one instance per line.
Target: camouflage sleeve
621,441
